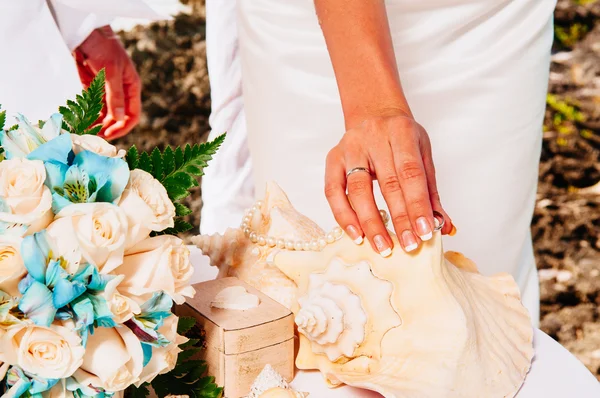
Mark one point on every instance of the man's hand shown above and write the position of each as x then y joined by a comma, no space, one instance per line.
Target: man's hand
102,49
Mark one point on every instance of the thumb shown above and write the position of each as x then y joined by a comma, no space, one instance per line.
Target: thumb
115,96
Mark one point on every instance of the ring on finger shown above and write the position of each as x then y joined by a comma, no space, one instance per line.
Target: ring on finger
357,170
439,221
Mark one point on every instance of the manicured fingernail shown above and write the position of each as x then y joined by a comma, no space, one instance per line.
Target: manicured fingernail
423,229
382,246
409,241
119,113
354,235
452,231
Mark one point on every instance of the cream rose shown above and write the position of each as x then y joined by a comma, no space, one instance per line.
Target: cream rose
113,359
158,263
95,144
164,359
147,205
26,200
12,269
123,308
53,352
98,231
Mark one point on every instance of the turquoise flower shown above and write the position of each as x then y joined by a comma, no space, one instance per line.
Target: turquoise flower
83,178
50,291
21,383
26,138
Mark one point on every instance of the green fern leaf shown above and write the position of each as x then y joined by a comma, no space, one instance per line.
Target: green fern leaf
168,160
80,115
185,324
181,210
178,157
145,162
2,119
157,164
137,392
132,157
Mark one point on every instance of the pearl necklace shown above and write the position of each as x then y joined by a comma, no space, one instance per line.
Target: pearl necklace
288,244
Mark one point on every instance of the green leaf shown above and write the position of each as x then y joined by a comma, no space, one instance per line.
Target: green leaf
181,210
80,115
132,158
145,162
168,160
2,119
187,354
157,164
137,392
185,324
13,127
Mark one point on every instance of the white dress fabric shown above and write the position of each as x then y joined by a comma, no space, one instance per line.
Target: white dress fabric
227,186
37,72
555,373
475,74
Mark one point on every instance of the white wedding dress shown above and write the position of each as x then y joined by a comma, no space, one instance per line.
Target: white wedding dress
475,73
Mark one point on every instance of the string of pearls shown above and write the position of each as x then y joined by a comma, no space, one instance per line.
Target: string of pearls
289,244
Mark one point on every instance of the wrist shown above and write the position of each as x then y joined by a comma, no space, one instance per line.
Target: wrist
355,117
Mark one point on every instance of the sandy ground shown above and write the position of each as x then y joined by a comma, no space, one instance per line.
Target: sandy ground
171,60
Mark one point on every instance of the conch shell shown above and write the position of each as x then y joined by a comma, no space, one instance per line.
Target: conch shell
412,325
236,255
278,392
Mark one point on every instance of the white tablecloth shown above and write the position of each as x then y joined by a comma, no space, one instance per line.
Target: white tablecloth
555,373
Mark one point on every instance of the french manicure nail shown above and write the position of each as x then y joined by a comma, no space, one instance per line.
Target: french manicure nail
354,235
423,229
409,241
382,246
119,113
452,231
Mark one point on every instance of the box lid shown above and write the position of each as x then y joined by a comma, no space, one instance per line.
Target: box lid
243,331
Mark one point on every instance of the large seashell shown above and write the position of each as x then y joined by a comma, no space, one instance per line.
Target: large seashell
418,325
441,330
235,255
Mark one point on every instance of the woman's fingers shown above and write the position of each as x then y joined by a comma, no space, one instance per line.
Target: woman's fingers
434,196
335,191
389,183
360,193
411,173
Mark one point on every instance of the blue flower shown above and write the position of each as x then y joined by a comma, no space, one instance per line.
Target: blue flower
22,383
145,325
21,142
50,291
84,178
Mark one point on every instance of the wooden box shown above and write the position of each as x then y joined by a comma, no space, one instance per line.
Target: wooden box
241,343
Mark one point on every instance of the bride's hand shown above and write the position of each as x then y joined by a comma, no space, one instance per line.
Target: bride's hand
397,152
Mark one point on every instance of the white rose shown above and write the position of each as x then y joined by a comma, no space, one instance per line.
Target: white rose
164,359
12,269
123,308
53,352
26,200
147,205
113,359
95,144
98,231
158,263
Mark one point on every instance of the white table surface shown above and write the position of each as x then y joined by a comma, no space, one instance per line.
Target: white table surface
555,373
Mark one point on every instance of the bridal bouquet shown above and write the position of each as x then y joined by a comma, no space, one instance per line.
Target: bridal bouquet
89,262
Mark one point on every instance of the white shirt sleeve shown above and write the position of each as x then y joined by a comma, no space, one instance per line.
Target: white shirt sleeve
76,19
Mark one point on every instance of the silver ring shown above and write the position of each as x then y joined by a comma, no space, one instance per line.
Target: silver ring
356,170
440,219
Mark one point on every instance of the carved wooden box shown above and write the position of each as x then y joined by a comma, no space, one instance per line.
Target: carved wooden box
241,343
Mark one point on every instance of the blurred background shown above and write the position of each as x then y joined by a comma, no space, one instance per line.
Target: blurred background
171,60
